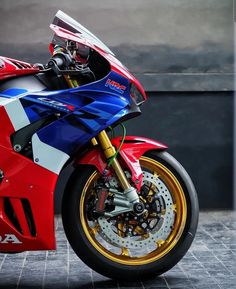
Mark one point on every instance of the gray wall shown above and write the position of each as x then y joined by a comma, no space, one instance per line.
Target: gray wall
179,45
181,50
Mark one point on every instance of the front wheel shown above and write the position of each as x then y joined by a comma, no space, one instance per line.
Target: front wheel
129,246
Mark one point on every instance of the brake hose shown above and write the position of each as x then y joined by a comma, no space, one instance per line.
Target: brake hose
121,143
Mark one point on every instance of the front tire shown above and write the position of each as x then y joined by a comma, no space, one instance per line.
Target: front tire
171,197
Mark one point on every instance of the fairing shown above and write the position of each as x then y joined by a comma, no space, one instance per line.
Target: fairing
12,68
56,124
66,27
23,180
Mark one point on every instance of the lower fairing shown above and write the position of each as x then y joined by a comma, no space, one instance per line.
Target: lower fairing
26,198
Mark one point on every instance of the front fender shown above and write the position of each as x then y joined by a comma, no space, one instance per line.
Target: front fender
131,151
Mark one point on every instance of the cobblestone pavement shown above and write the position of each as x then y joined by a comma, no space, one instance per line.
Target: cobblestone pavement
210,263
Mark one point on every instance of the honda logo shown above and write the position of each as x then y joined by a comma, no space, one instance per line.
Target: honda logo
9,239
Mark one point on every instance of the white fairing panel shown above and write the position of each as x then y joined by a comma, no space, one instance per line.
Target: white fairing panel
44,155
47,156
16,113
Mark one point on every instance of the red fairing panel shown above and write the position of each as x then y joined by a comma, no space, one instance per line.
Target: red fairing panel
11,68
131,151
25,184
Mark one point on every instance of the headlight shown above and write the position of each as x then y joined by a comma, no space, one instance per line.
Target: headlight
136,94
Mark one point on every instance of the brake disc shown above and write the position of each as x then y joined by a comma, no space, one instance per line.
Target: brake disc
159,234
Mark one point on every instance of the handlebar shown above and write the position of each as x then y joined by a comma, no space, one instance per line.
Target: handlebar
61,59
60,62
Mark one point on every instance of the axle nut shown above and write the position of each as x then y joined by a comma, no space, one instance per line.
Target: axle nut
139,208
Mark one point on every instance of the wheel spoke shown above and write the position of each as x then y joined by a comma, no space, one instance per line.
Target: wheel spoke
94,230
139,230
121,229
156,175
160,243
163,211
124,252
152,187
145,236
174,207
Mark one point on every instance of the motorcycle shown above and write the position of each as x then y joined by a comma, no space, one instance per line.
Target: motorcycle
129,209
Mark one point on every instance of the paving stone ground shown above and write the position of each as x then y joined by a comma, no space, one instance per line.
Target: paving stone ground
210,263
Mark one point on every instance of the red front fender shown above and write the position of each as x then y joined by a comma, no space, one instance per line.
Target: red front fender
131,151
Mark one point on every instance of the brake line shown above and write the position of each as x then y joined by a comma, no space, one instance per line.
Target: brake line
119,148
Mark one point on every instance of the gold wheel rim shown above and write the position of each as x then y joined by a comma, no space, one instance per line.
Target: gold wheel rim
164,247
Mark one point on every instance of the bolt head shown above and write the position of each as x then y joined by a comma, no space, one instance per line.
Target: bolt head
17,148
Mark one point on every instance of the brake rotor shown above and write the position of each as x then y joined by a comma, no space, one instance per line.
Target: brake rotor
156,236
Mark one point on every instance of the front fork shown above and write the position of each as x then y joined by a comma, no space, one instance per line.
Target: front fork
130,193
109,152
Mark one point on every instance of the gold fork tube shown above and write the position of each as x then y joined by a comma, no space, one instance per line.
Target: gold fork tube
120,174
109,152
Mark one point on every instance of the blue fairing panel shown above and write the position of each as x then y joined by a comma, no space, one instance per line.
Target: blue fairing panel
12,92
72,132
83,111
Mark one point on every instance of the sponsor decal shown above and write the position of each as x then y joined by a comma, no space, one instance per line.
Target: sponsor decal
55,103
9,239
50,101
115,86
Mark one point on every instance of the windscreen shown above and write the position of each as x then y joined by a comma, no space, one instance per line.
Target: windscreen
66,22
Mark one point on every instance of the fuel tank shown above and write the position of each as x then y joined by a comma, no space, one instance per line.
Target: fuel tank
11,68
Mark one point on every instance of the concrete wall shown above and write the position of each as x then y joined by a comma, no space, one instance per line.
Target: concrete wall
179,45
181,50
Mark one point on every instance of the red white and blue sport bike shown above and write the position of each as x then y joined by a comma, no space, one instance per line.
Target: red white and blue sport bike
129,209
